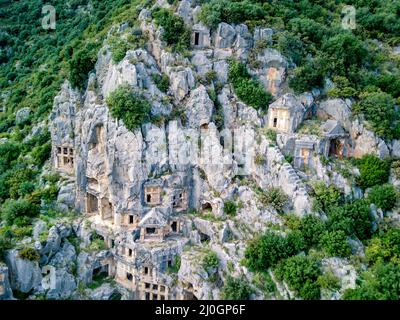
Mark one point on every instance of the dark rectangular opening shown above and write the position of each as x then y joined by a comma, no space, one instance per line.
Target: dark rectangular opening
129,276
174,226
147,296
196,38
130,219
148,198
275,122
150,230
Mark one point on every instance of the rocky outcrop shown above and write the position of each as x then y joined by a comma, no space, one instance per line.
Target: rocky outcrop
366,142
199,108
336,109
25,275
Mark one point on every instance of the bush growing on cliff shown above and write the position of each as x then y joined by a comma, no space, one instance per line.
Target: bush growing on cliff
130,107
354,219
384,248
301,274
210,260
230,208
19,212
236,289
81,63
274,197
29,254
246,88
325,197
378,109
175,32
383,196
335,243
373,171
265,251
379,283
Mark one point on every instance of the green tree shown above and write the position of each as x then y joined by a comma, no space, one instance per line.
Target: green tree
382,282
311,229
383,196
130,107
325,197
352,218
247,89
373,171
378,109
18,211
335,243
175,32
384,248
236,289
301,274
266,251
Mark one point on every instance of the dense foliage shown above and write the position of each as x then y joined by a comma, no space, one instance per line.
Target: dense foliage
373,171
301,274
267,250
236,289
383,196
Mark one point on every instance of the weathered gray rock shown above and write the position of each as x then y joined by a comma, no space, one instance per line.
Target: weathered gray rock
243,41
366,142
202,62
105,292
225,36
64,285
263,34
5,288
181,83
62,117
395,149
337,109
199,107
185,11
66,196
24,275
271,69
221,67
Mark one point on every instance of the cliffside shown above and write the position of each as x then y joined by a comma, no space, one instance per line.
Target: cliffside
184,204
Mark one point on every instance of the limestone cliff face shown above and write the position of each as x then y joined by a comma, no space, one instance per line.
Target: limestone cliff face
135,190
